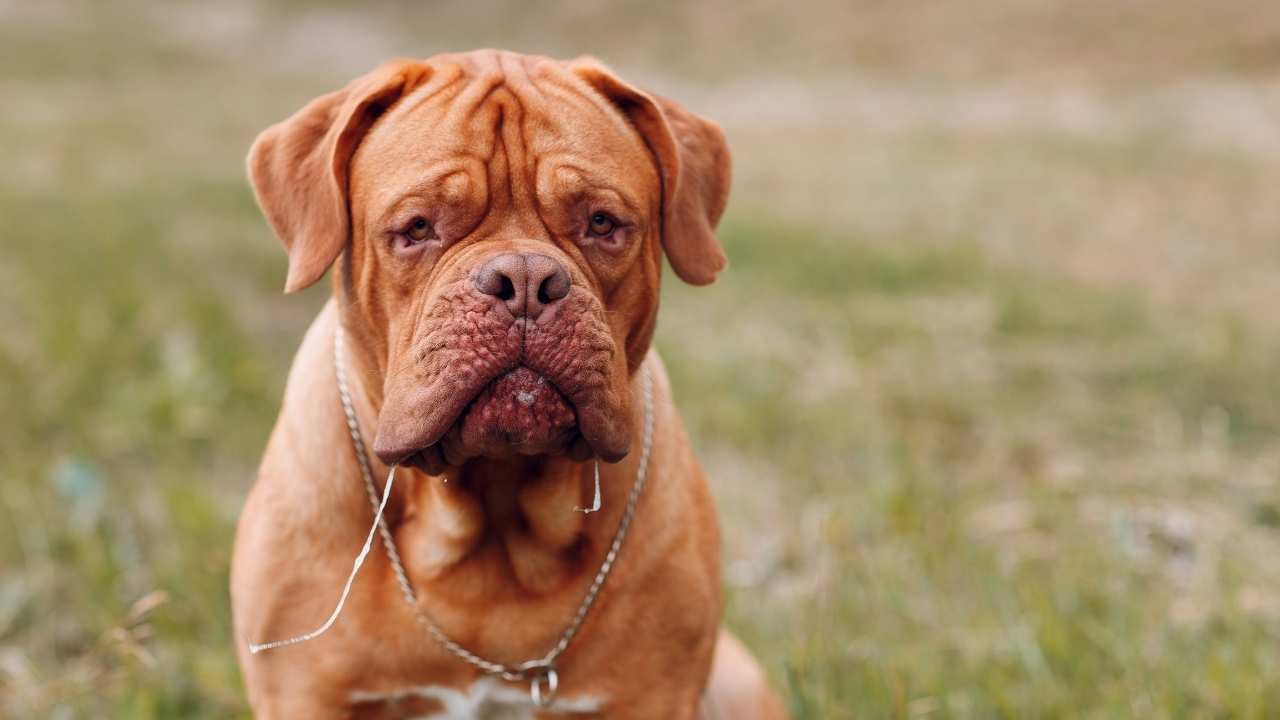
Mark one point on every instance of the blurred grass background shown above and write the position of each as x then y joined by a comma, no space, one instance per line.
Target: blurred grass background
989,395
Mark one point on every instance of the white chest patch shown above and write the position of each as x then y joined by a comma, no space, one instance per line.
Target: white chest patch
485,699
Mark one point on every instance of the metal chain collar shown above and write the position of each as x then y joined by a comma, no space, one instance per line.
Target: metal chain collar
541,672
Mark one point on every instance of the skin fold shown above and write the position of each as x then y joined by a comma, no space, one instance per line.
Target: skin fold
497,225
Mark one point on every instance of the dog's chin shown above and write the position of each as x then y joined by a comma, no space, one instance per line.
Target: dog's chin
519,413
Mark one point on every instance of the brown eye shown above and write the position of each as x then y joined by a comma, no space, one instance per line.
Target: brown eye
600,224
419,230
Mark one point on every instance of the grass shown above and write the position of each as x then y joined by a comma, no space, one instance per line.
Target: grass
981,493
987,396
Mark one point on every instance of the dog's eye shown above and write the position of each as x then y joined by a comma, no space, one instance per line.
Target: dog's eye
600,224
419,230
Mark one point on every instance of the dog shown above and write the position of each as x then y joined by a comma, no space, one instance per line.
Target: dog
498,224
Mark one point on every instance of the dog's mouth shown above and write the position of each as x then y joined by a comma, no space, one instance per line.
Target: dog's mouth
477,384
520,409
519,412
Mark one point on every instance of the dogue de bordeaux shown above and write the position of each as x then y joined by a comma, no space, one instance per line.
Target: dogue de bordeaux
497,223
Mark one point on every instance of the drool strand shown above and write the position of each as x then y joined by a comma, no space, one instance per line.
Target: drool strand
595,504
255,648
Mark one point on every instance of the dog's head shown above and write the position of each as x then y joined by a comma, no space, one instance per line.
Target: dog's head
501,221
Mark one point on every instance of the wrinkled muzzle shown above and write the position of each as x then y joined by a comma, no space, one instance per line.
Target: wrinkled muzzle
513,355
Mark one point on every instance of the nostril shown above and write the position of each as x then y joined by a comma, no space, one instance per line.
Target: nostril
554,287
503,278
506,290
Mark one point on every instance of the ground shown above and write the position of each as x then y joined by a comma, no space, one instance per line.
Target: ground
988,394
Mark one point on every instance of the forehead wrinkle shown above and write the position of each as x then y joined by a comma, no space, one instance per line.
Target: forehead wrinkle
500,161
610,127
434,176
444,81
516,72
568,95
515,143
568,86
472,99
524,98
587,183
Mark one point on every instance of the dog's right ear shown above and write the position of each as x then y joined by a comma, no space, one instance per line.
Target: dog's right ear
299,167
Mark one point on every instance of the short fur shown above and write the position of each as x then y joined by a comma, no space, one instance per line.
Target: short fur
504,154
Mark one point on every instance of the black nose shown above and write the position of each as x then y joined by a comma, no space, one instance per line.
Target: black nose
527,283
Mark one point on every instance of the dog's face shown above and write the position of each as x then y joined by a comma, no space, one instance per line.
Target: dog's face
503,219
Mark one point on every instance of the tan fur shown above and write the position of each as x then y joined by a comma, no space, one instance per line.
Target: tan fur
496,145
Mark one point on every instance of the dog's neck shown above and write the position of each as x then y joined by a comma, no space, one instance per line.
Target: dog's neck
502,518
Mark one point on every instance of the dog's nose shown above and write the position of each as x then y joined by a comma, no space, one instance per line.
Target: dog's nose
527,283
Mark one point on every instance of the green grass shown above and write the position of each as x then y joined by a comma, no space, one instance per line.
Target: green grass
987,397
975,484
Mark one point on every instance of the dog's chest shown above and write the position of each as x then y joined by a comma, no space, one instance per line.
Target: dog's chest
484,699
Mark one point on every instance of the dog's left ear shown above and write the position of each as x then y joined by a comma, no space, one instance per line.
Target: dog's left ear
299,167
693,158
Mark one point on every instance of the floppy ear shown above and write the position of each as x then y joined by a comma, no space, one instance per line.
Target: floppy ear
693,158
299,167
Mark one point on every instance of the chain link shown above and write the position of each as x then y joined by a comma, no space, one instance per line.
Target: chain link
539,670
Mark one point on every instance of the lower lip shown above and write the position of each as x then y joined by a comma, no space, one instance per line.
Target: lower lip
519,407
